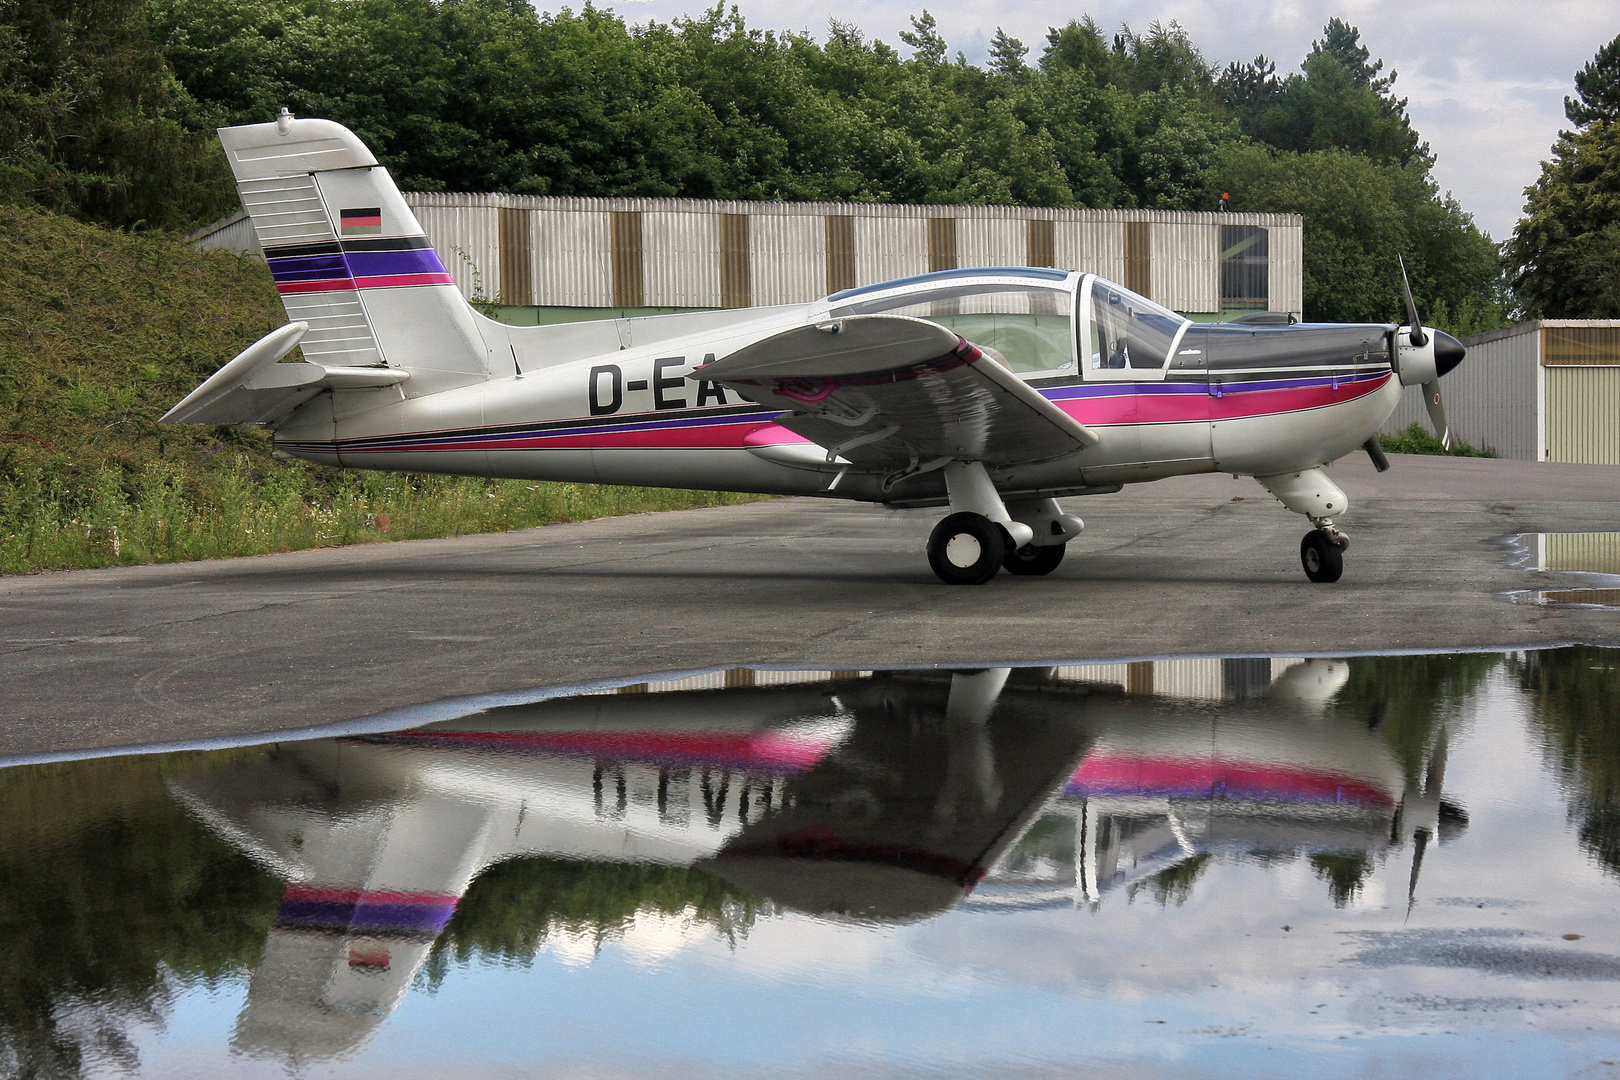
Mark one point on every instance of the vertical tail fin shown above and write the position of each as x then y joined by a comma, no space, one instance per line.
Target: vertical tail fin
349,257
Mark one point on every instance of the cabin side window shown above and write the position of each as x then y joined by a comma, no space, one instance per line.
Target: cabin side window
1129,331
1026,328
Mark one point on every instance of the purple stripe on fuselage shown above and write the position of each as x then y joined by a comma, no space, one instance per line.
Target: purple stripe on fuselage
391,915
362,264
388,263
1061,393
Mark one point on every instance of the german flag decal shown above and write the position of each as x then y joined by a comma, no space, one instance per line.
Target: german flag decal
365,221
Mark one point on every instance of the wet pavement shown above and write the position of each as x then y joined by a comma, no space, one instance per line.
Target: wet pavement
1203,565
1243,867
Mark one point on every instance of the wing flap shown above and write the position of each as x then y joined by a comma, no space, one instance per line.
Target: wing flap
888,391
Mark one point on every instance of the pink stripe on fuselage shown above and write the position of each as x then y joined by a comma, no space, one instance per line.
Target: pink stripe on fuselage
1161,777
385,281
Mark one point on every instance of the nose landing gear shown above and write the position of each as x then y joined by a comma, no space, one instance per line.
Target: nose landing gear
1322,556
1311,493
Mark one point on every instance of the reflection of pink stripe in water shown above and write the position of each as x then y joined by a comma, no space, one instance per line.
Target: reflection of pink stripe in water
1102,774
774,751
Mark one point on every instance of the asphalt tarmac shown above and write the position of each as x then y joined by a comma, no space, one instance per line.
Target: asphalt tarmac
1202,565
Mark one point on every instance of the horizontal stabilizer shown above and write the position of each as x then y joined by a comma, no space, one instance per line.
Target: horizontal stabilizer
255,388
890,392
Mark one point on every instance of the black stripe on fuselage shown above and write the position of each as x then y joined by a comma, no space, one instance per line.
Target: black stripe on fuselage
334,247
592,422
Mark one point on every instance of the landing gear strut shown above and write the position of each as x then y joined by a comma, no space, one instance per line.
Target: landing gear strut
1322,556
1033,560
981,535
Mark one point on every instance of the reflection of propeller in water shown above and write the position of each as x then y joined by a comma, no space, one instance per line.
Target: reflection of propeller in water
1423,358
1433,777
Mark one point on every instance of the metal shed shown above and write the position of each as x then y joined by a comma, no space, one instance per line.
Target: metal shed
1546,390
548,258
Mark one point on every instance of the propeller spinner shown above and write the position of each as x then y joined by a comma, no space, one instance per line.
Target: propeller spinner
1423,357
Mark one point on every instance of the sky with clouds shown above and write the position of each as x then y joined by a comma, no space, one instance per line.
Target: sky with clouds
1486,79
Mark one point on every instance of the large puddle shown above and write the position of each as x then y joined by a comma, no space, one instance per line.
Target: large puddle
1592,559
1375,866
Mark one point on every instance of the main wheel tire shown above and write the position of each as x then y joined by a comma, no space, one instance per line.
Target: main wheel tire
1033,560
1322,558
966,549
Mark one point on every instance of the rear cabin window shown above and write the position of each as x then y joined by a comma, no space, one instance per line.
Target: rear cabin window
1129,331
1027,328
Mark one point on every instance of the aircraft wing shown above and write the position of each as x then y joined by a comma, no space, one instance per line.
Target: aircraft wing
888,391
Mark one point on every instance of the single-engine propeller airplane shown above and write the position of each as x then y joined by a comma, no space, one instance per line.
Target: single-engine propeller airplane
992,391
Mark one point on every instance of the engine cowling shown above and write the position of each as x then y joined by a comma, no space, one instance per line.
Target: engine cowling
1419,364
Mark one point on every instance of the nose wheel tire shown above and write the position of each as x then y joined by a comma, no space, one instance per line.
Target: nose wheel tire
1322,558
967,549
1032,560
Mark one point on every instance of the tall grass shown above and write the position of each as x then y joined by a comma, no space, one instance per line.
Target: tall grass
1417,439
100,333
162,512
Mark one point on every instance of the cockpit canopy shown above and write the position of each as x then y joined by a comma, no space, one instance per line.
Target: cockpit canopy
1027,319
1128,330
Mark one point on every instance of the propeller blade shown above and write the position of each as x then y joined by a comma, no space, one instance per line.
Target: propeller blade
1437,412
1418,337
1375,450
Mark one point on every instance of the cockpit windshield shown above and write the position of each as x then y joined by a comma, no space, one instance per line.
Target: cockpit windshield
1025,327
1129,331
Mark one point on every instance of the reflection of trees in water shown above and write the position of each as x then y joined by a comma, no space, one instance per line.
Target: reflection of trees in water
1410,698
1344,874
1174,885
1575,702
110,893
509,910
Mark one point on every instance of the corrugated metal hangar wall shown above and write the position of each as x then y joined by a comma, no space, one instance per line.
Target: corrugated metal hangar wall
1547,390
542,252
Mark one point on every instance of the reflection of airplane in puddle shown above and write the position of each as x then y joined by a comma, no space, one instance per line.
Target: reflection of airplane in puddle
862,797
1274,776
878,798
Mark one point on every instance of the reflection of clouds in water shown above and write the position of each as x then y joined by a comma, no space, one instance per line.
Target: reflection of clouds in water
574,947
653,936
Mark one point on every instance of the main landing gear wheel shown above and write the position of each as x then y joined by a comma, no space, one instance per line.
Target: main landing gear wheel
1030,559
966,549
1322,558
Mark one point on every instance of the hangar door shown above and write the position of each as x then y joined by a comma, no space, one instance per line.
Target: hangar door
1583,393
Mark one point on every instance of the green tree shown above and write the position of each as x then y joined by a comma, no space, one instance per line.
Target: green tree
1339,100
1564,255
1359,214
1007,55
92,121
1597,89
